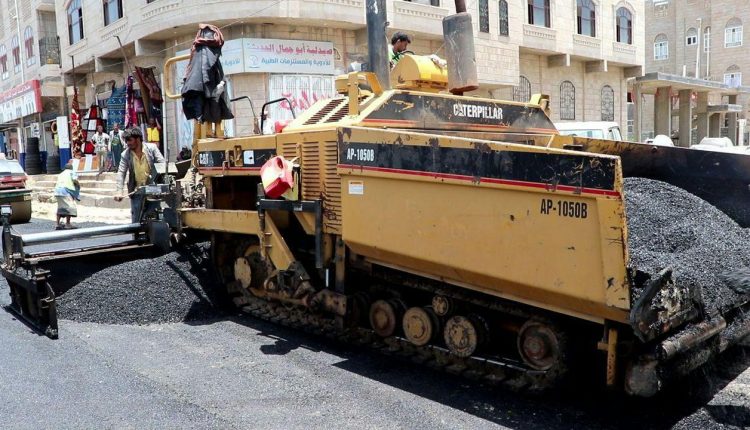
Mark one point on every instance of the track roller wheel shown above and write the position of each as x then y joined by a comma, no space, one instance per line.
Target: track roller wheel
442,305
385,316
359,307
421,325
239,265
463,335
541,345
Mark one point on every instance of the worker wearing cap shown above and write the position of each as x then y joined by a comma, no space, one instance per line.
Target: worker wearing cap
399,42
139,160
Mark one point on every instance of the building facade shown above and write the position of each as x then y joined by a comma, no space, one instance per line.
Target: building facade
577,51
701,39
31,85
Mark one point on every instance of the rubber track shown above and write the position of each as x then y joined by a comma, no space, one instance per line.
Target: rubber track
490,371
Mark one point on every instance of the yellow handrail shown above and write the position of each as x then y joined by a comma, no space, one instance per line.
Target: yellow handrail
168,78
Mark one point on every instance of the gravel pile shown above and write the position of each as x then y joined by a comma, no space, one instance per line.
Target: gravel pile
669,227
170,288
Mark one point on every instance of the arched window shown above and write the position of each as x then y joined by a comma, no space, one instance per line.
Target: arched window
28,43
504,30
567,101
624,26
522,93
661,47
733,33
539,13
733,76
586,18
707,39
484,16
75,21
691,37
4,61
15,50
608,103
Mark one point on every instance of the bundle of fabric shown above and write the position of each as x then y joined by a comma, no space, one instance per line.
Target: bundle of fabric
131,116
92,120
203,94
116,106
76,134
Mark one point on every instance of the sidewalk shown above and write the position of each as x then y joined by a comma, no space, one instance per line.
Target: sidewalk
48,209
96,191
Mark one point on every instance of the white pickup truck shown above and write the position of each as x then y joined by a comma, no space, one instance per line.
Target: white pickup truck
594,129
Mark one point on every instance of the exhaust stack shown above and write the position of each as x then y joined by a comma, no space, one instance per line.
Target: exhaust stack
377,41
458,35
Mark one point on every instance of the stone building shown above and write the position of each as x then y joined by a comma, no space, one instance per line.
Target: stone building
578,52
31,86
699,38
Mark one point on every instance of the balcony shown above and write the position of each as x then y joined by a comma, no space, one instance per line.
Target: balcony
418,17
587,47
160,8
624,54
49,50
45,5
341,11
539,38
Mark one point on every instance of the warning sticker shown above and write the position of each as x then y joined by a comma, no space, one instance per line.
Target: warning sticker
356,187
248,158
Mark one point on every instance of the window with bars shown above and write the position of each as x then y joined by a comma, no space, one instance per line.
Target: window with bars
504,27
567,101
112,11
539,13
522,93
75,21
484,16
733,33
624,26
586,18
28,44
15,50
608,103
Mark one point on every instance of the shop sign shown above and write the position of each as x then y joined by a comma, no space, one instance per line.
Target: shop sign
275,56
20,101
288,56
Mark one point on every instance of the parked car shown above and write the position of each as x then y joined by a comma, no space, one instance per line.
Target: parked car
13,190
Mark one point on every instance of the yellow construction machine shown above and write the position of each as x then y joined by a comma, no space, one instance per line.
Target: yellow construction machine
462,233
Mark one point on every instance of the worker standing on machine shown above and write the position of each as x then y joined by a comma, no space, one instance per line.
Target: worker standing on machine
139,159
399,42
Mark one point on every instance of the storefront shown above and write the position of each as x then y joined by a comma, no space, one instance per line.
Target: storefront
20,109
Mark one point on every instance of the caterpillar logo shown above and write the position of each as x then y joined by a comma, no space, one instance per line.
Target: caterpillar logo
477,111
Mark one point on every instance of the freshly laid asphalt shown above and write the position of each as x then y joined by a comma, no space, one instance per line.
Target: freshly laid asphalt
231,371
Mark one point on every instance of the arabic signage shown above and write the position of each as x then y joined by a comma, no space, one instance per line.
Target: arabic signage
275,56
20,101
288,56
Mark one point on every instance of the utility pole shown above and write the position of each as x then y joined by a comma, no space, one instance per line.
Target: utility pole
698,49
23,73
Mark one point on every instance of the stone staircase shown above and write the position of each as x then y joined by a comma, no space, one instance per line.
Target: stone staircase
95,191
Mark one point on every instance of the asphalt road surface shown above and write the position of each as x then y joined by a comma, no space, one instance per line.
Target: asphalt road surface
239,372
